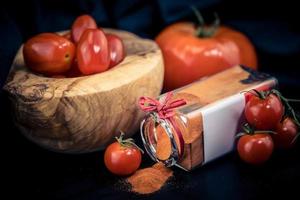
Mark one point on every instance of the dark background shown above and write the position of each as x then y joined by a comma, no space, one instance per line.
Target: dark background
30,171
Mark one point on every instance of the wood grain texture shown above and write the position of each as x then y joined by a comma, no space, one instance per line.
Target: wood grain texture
83,114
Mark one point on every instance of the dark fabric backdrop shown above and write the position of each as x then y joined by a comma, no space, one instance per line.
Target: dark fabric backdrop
272,26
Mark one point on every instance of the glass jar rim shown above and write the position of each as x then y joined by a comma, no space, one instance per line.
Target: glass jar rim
149,147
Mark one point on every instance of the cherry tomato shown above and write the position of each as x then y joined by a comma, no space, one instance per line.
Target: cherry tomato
116,49
49,54
264,113
255,149
122,158
82,23
286,133
188,57
92,52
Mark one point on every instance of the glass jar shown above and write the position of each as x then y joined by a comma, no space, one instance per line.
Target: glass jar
205,127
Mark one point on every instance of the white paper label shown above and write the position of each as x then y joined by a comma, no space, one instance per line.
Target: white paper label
221,122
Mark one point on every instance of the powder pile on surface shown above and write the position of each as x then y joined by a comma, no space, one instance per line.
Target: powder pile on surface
149,180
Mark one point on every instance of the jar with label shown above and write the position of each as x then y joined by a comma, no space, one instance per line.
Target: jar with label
196,124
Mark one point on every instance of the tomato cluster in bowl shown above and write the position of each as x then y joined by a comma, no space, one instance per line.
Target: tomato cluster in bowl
85,50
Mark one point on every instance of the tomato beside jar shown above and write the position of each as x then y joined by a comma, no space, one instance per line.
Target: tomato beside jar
264,110
255,149
286,133
122,157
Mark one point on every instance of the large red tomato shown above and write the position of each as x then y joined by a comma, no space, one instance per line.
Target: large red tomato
92,52
49,54
188,57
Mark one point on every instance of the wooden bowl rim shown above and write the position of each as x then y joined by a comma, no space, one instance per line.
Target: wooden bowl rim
19,65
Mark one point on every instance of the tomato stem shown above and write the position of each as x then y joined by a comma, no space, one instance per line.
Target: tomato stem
257,93
263,131
293,100
240,134
202,30
260,94
250,130
199,17
295,138
129,142
289,111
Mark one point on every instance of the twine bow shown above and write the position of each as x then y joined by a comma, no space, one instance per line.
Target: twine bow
164,108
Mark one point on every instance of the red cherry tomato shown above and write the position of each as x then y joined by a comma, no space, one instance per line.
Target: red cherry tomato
82,23
49,54
122,158
286,133
92,52
116,49
264,112
255,149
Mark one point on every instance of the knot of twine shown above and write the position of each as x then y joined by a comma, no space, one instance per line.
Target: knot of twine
164,108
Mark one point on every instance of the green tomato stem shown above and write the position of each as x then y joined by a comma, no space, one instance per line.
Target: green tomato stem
249,130
289,111
203,31
127,143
